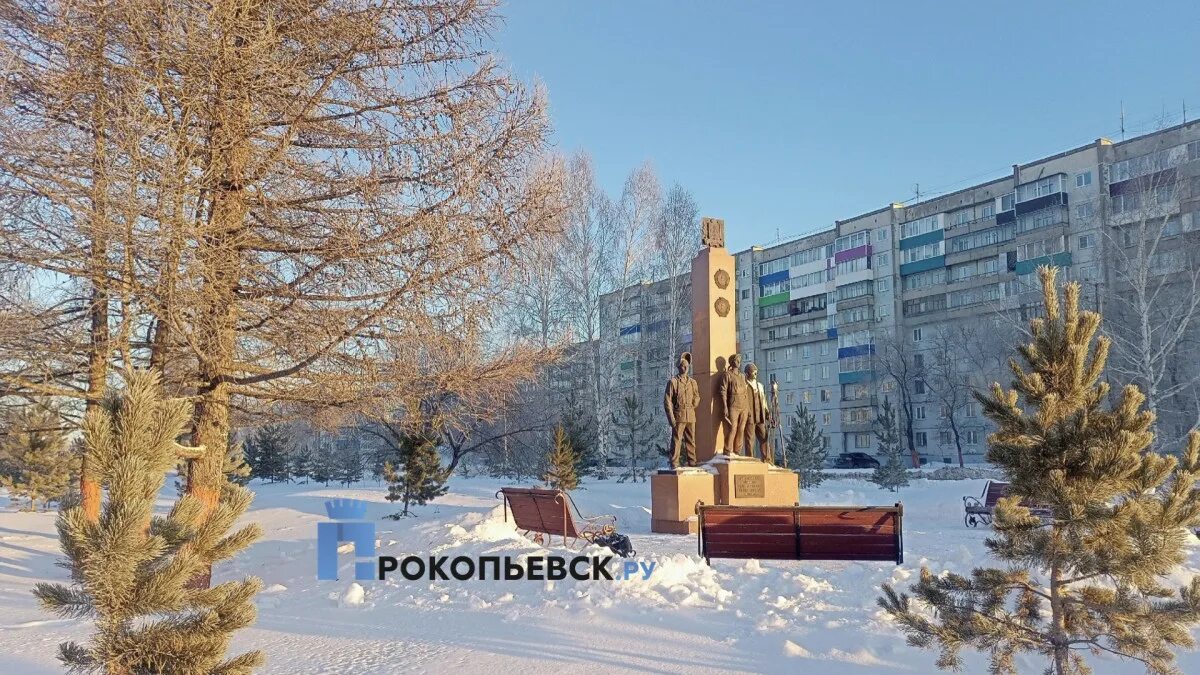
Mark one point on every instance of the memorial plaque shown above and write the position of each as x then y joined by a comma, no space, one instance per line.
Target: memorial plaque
749,486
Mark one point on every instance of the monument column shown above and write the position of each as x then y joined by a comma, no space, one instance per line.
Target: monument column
714,334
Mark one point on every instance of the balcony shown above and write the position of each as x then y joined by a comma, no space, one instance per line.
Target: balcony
1039,203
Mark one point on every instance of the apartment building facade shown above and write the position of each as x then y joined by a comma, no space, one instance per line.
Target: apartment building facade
919,303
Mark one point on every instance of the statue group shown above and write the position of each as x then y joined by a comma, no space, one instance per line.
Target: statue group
742,406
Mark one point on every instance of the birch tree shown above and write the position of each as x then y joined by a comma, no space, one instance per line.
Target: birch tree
1154,294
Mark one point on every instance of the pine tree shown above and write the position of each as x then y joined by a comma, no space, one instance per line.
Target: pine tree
299,464
348,464
580,430
320,462
131,569
891,474
805,448
36,462
421,478
630,430
269,456
1098,575
236,470
562,473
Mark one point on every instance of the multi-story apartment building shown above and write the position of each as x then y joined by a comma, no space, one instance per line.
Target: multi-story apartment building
920,302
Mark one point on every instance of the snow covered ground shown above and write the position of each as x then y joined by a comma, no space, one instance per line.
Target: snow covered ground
688,617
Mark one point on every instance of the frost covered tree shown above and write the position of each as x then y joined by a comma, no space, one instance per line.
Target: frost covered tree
1099,575
35,460
805,448
563,462
131,569
320,461
891,474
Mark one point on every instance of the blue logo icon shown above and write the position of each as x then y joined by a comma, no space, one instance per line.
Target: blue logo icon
331,535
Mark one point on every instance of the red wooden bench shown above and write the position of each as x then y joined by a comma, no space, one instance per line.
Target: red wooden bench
801,532
981,509
552,512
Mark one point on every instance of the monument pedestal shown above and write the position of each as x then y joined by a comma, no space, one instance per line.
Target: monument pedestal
673,497
745,481
726,480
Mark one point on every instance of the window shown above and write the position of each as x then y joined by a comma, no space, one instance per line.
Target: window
918,361
809,255
919,412
918,386
772,311
825,395
772,266
856,416
883,260
824,349
773,356
856,265
852,241
971,409
921,226
1008,202
807,373
1086,241
854,364
826,418
882,312
862,440
881,234
944,437
1041,248
1193,151
987,210
916,335
962,217
1083,179
787,376
746,294
788,353
855,290
825,372
806,351
925,252
883,285
925,305
1126,202
1084,211
789,397
807,396
922,439
1039,188
1088,273
993,235
889,386
971,437
925,279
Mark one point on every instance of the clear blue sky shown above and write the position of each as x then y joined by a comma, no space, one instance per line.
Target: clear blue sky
788,115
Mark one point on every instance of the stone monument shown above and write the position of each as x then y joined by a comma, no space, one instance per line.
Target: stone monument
723,417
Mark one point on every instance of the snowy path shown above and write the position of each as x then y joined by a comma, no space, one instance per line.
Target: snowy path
688,617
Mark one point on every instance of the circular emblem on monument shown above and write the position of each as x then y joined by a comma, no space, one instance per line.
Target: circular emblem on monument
722,279
722,307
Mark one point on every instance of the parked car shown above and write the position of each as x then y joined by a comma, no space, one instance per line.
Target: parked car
855,460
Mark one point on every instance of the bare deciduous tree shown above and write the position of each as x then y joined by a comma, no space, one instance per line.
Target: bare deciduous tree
1153,299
